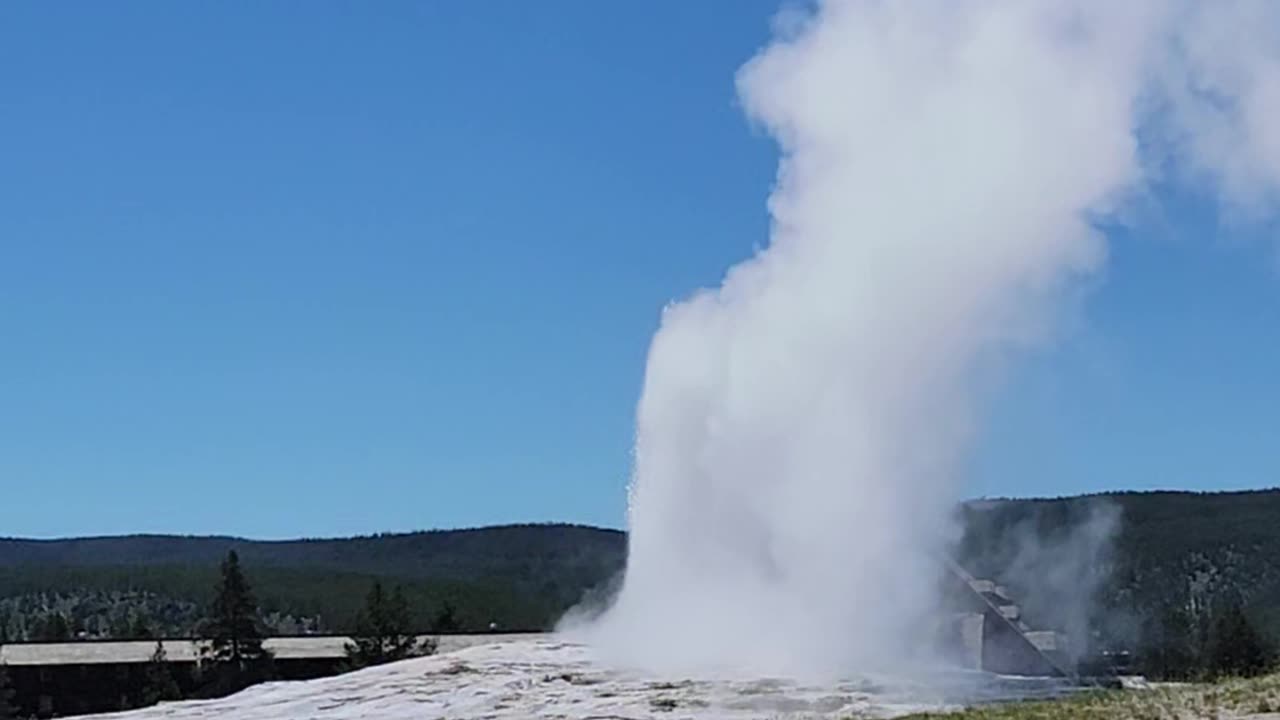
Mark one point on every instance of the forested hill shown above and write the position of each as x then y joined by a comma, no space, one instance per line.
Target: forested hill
1225,535
514,577
509,552
1147,555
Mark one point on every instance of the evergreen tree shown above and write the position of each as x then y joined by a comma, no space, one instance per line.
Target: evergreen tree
1169,644
8,711
53,627
118,627
139,628
232,626
446,620
159,684
1236,647
383,630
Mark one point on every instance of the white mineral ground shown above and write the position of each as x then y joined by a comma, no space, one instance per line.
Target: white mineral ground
546,677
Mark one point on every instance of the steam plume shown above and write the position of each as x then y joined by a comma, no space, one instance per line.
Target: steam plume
945,167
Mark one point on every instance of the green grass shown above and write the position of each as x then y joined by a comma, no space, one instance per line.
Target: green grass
1223,700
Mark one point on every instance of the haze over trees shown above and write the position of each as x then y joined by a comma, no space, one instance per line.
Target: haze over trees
1189,583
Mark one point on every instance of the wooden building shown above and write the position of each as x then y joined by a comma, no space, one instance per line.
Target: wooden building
57,679
92,676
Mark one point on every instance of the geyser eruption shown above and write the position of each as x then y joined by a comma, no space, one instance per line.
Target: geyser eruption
945,168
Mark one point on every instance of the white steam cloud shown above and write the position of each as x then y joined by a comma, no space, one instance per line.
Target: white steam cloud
944,170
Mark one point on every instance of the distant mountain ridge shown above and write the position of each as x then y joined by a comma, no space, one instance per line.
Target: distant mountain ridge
464,554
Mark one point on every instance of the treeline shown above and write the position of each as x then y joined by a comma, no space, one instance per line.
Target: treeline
97,615
234,656
1180,641
59,603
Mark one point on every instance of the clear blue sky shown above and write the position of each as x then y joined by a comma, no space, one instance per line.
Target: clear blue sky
275,270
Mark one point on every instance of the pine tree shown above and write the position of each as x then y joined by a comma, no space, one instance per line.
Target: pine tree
139,628
53,627
8,711
446,620
159,684
404,642
1236,648
383,630
1169,647
232,626
118,627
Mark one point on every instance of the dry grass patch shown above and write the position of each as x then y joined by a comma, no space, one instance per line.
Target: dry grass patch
1225,700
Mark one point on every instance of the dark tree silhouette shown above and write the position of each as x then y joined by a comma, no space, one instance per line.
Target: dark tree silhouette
52,628
1236,648
1169,644
232,626
446,621
160,685
139,628
384,631
8,711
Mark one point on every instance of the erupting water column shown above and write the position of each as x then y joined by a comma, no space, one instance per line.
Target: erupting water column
943,167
